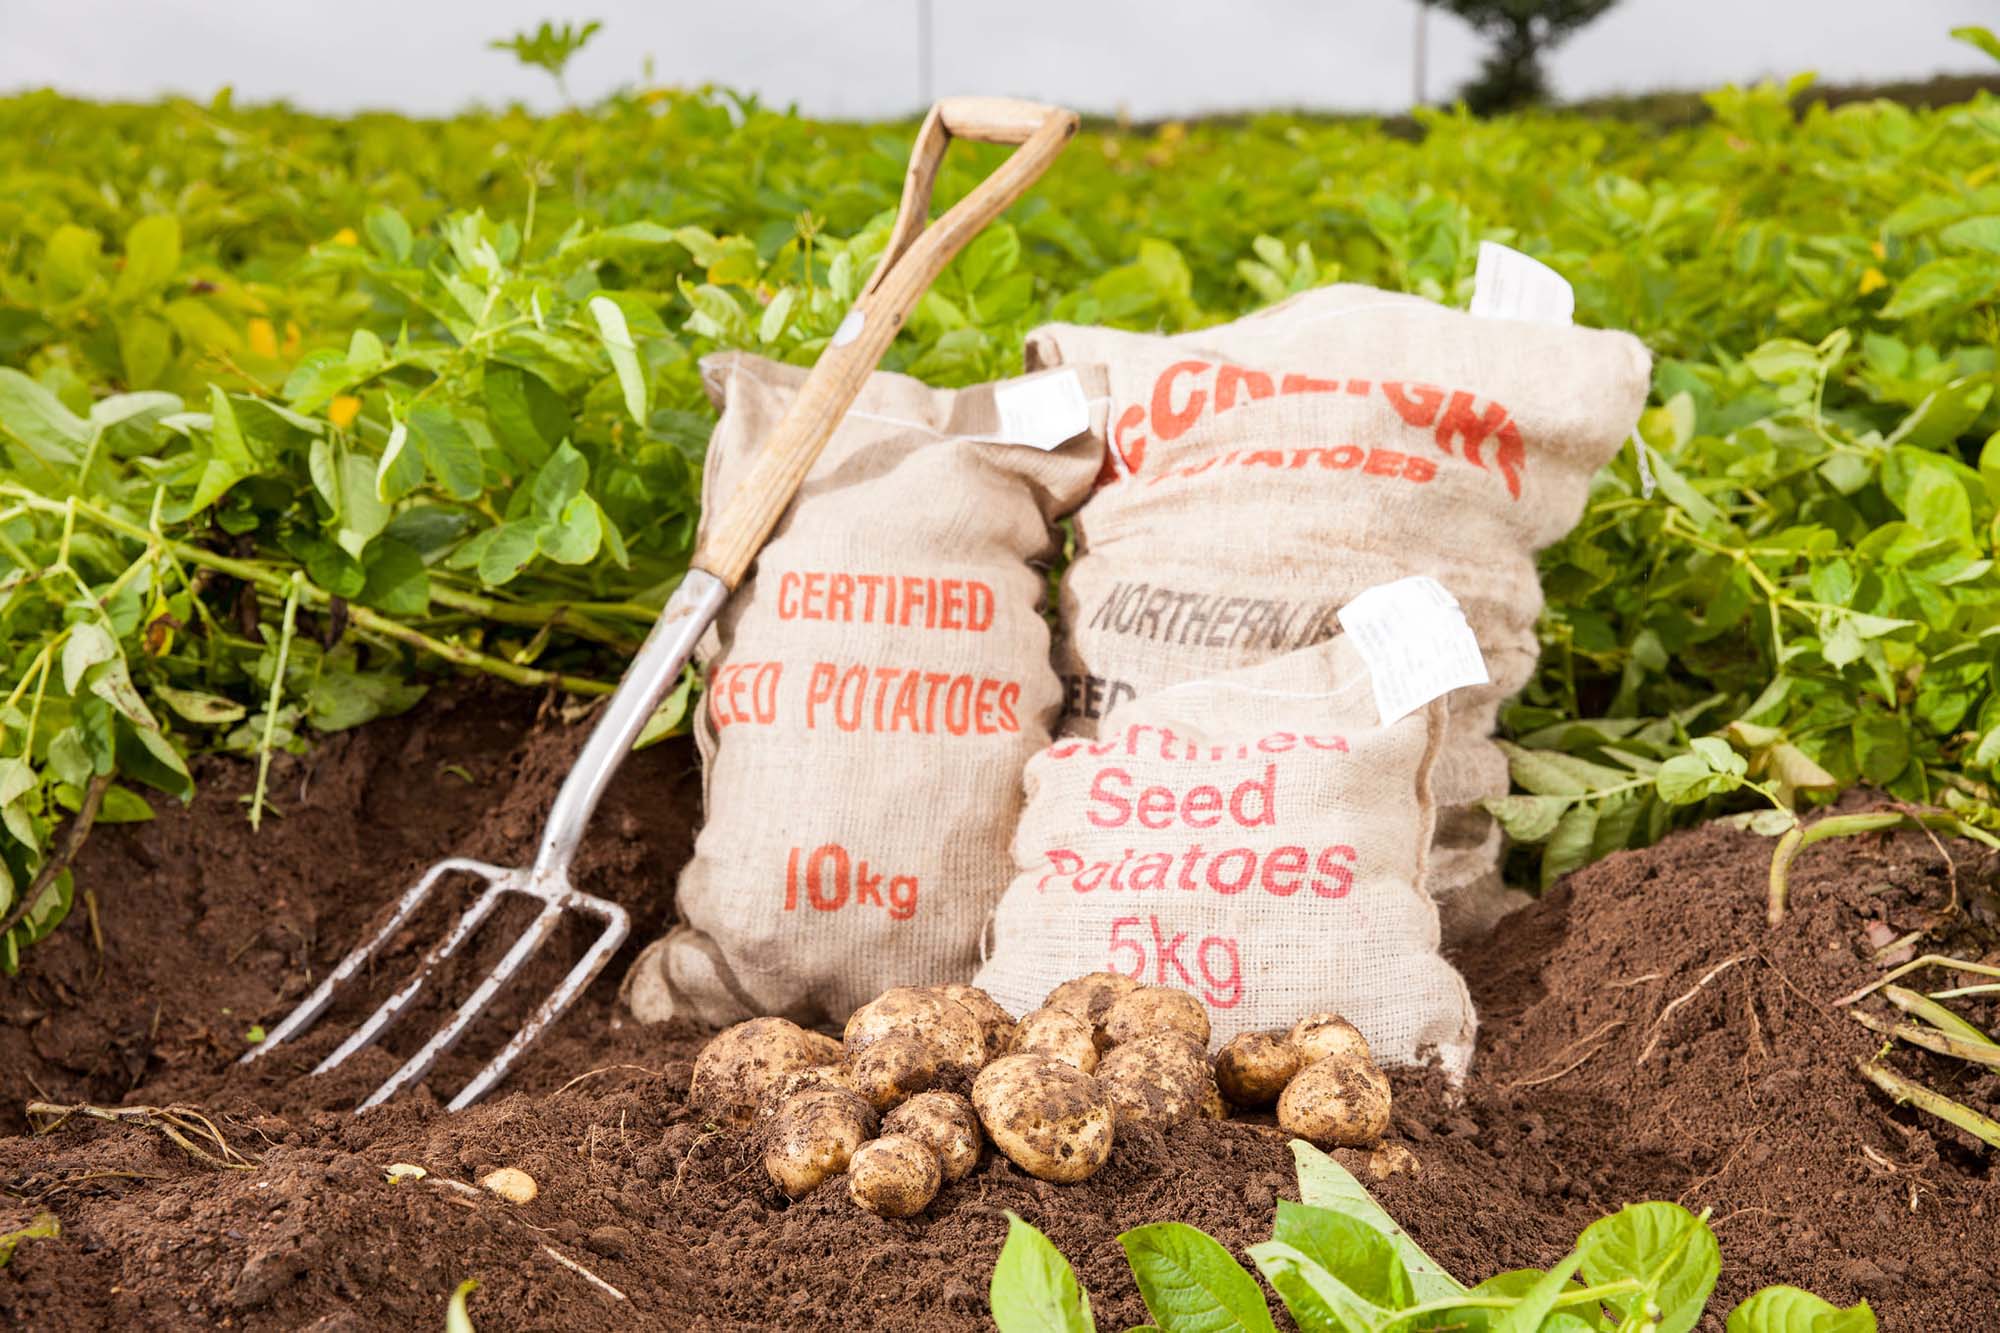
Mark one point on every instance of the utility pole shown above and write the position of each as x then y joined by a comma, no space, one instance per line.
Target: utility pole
1417,65
923,55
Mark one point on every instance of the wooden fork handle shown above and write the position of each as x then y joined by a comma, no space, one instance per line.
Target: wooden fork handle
915,255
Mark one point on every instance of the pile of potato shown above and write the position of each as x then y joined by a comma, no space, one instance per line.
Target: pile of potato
923,1076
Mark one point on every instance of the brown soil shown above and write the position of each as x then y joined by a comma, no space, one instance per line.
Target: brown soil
1644,1037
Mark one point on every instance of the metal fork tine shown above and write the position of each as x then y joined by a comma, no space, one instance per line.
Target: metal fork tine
314,1004
447,1036
392,1008
618,926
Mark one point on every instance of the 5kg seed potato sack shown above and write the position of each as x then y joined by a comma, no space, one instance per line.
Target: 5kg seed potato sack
874,687
1254,839
1261,473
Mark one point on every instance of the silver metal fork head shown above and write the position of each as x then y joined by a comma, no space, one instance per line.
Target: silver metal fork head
551,889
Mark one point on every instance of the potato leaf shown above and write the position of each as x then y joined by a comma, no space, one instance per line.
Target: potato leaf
1189,1282
1034,1289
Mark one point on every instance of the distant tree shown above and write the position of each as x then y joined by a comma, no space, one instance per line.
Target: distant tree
1522,32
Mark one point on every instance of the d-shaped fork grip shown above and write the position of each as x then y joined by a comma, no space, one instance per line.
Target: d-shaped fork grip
916,254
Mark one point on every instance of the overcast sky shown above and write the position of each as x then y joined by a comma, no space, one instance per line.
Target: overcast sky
1152,58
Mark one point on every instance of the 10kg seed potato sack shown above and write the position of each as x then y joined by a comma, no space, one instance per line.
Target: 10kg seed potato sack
874,688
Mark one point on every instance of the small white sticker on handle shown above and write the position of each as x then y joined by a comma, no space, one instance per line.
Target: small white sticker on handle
1042,411
1413,636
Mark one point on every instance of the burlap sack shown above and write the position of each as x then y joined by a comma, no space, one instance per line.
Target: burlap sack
1261,473
873,690
1254,838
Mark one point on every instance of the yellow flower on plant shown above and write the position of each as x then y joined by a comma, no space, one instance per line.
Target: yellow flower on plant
263,338
343,409
346,236
1872,280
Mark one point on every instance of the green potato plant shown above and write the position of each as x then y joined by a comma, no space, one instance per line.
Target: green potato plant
1339,1264
299,413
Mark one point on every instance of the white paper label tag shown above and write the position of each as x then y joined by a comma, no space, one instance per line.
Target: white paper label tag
1414,638
1044,411
1509,285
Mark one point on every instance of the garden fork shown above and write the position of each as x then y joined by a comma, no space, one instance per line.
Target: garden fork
915,255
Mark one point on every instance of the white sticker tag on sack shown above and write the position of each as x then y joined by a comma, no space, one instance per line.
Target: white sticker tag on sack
1044,411
1413,636
1509,285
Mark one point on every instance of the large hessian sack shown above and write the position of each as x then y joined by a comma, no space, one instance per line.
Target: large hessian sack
873,689
1255,838
1263,472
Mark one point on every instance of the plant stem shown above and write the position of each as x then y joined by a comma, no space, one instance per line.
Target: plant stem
1796,840
278,585
1983,1128
271,704
1587,1296
1922,1006
79,829
1938,1043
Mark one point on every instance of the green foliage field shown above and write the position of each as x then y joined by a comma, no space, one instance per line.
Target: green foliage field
300,412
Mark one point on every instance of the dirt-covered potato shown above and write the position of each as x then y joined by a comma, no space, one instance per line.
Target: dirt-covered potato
831,1052
995,1023
813,1136
1051,1119
893,1070
1212,1105
1339,1102
1157,1080
893,1176
946,1025
1252,1068
782,1090
1149,1009
1059,1034
734,1069
1089,996
1319,1037
943,1121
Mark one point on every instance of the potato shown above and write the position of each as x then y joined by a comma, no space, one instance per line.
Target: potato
893,1070
1339,1102
1059,1034
1392,1159
735,1068
893,1176
1252,1068
946,1123
1051,1119
1089,996
946,1025
995,1023
829,1049
1158,1080
1318,1037
1149,1009
1212,1105
782,1090
813,1137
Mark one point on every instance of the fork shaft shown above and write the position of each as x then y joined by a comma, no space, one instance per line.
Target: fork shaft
653,672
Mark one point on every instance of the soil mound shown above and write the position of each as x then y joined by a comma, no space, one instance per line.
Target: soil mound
1644,1035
